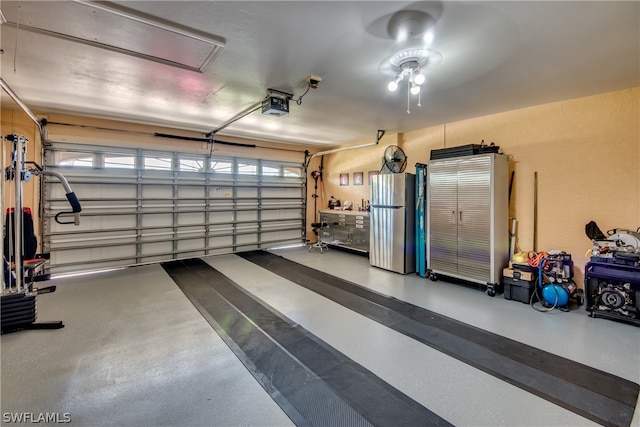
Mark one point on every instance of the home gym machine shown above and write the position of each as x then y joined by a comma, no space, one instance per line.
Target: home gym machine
18,299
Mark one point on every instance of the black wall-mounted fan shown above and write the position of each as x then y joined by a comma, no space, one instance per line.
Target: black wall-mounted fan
394,160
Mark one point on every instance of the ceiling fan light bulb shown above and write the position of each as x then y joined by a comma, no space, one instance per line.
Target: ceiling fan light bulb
419,78
402,35
393,86
415,90
428,36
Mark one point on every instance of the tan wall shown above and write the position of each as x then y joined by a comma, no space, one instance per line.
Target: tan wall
17,122
585,151
358,160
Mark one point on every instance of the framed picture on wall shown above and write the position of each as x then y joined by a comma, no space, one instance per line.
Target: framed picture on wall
344,179
357,178
371,175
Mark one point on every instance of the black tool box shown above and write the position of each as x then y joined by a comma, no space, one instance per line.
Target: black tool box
463,150
519,285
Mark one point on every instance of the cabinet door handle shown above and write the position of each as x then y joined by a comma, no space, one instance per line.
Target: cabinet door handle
460,216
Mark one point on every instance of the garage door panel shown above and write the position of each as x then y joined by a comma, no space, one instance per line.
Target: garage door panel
163,205
247,216
103,190
247,192
157,220
281,235
85,255
97,207
191,244
221,241
217,205
194,192
155,258
156,236
191,218
101,241
251,247
221,217
247,238
156,248
219,192
158,191
90,224
281,192
293,214
219,229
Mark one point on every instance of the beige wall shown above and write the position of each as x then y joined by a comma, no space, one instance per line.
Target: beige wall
17,122
358,160
585,151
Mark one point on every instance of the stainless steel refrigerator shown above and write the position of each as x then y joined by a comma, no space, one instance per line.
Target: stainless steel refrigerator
392,222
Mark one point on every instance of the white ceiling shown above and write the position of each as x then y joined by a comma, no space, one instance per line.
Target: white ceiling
496,56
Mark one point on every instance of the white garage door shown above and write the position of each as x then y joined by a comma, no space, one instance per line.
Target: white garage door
141,206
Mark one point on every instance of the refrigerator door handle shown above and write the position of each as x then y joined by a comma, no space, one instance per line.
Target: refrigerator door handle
387,206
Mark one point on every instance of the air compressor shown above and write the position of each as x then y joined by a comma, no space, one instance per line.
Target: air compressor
559,287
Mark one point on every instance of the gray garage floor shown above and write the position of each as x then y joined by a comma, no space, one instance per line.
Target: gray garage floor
135,352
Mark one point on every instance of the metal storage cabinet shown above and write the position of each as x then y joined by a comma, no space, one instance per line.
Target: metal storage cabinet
467,218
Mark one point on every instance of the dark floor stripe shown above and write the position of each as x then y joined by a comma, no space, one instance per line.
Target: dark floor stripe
311,381
596,395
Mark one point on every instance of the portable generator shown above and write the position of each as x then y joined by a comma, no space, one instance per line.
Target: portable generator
612,278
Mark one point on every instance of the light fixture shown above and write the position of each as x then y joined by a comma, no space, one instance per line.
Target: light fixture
410,69
407,64
393,85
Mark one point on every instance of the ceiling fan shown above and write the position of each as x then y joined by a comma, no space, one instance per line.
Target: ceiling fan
394,160
432,50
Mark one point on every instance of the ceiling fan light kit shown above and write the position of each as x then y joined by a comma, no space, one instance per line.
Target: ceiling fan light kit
407,64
